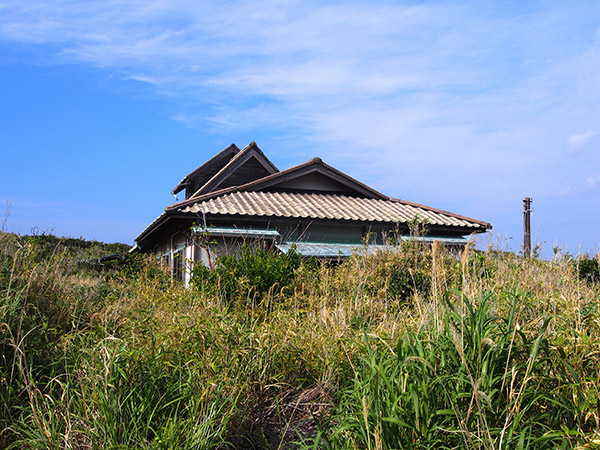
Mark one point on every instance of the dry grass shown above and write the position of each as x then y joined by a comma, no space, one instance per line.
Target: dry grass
182,368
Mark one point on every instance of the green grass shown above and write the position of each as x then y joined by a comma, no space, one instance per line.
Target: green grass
412,349
479,382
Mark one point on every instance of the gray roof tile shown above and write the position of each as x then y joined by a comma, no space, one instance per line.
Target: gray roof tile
324,206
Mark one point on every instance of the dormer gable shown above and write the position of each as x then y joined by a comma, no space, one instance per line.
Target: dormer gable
312,182
314,176
198,177
249,165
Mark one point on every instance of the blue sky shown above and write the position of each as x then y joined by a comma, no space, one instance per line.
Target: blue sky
465,106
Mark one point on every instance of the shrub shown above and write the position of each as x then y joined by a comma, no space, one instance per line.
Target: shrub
254,274
588,269
404,283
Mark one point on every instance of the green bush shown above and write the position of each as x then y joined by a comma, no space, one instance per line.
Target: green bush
253,274
588,269
404,283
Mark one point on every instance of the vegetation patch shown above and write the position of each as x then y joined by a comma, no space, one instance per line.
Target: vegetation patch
414,348
252,276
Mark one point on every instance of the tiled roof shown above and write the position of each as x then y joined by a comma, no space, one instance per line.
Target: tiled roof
327,206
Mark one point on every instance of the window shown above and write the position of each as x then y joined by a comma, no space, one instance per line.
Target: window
179,265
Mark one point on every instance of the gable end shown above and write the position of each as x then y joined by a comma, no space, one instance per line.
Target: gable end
199,176
247,166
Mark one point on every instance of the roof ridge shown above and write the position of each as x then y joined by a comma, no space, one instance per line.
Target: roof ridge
317,162
181,185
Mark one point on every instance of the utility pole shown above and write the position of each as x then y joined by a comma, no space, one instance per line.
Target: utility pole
527,227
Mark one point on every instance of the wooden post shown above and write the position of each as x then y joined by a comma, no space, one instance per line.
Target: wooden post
171,262
527,227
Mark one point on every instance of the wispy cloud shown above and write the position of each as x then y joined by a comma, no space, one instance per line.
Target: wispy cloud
577,142
578,187
593,182
483,67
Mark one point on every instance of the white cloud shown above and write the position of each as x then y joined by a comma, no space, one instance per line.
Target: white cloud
577,142
577,187
593,182
185,119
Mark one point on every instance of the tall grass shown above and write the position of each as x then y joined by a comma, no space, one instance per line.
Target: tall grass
74,377
417,348
480,382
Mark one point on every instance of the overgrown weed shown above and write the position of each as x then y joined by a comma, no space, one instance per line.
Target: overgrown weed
479,350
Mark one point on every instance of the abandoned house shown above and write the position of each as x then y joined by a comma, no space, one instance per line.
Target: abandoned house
239,196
